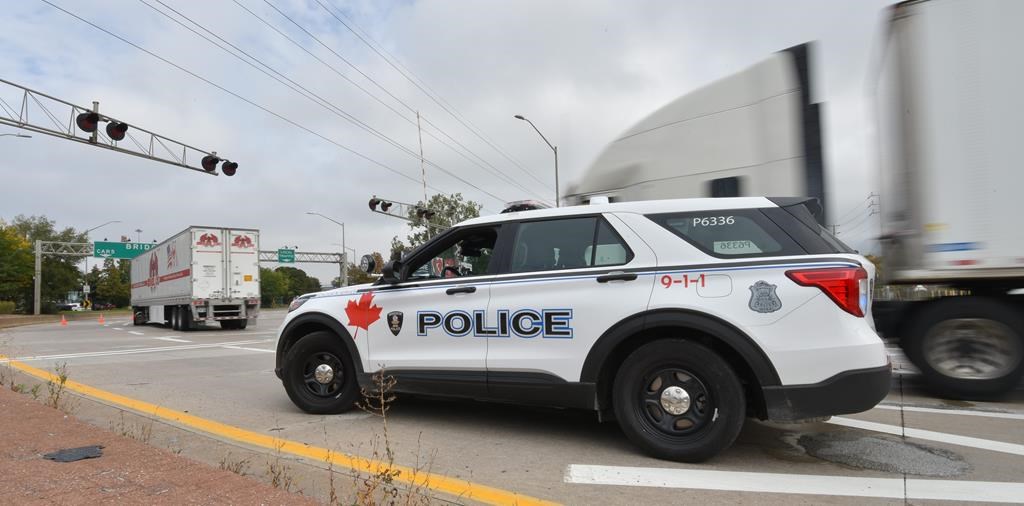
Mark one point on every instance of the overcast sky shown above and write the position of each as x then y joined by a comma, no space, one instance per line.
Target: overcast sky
582,71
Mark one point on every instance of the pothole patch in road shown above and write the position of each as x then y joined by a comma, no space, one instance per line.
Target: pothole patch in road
882,454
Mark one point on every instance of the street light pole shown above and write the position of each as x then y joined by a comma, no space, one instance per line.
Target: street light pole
344,254
86,234
553,148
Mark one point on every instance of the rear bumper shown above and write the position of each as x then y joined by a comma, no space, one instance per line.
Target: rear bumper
847,392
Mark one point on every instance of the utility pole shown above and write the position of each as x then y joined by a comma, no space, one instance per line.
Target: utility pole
423,169
37,291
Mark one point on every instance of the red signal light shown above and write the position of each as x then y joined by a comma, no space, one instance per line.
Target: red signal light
229,168
117,130
209,163
374,202
384,206
87,121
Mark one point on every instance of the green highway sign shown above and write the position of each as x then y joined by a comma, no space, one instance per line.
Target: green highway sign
286,256
124,250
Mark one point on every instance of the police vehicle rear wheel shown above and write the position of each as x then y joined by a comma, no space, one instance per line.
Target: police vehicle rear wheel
319,376
678,400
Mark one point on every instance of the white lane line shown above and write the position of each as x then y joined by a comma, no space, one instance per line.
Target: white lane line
941,437
963,412
136,333
115,328
173,339
140,350
247,349
949,490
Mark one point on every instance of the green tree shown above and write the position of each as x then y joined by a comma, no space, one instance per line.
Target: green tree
114,284
273,287
60,273
298,281
16,265
356,276
448,210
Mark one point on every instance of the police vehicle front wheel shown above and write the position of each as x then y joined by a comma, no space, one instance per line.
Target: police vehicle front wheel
319,376
678,400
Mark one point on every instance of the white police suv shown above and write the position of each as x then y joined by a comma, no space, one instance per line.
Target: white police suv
677,318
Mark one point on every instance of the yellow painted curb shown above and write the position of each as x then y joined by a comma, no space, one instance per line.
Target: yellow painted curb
454,486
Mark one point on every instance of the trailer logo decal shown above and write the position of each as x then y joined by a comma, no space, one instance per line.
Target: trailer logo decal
361,314
208,240
172,256
763,298
242,241
395,319
154,271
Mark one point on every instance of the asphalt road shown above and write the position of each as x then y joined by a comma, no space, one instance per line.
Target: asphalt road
913,445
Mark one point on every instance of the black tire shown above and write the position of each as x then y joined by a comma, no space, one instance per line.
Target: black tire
175,318
229,324
185,318
138,317
311,396
967,347
708,424
242,324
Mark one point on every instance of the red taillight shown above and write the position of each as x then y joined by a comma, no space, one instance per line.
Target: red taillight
842,285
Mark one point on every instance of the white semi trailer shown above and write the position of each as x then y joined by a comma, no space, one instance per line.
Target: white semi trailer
199,275
949,114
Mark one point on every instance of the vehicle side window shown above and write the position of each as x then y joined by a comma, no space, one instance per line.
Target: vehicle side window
463,254
609,249
739,233
571,243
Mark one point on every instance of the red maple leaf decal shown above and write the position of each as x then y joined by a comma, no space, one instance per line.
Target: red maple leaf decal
361,314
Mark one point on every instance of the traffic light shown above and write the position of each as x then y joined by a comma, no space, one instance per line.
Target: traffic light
229,168
384,205
425,214
209,163
88,121
116,130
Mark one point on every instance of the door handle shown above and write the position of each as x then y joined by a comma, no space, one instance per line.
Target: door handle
460,289
617,276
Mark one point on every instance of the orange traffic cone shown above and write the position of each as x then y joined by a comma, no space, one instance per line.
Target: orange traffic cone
102,321
63,321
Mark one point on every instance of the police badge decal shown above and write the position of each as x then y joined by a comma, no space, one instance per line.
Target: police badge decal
763,298
395,322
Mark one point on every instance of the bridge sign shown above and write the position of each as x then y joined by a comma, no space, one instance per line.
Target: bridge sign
122,250
286,256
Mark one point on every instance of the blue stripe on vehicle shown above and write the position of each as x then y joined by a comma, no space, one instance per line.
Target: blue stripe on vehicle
595,275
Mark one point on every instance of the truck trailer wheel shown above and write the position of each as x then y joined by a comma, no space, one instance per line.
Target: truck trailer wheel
319,376
186,318
175,318
678,400
968,347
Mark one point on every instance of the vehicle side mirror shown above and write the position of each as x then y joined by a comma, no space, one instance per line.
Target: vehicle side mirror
388,272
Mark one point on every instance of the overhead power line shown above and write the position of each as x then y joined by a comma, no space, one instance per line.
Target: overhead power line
429,92
240,97
494,172
308,94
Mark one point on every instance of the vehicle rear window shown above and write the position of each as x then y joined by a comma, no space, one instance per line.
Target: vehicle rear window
739,233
